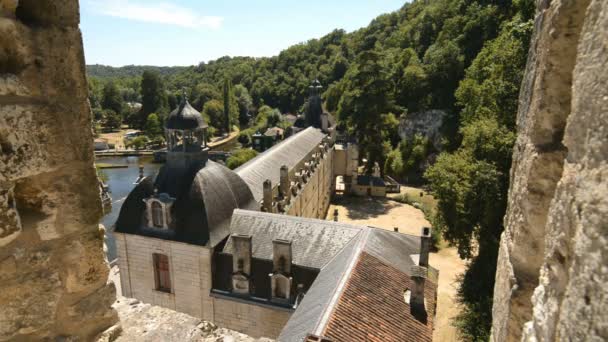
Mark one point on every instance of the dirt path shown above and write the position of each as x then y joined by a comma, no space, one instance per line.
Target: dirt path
387,214
117,138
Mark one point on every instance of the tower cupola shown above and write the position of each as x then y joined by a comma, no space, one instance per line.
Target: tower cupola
186,133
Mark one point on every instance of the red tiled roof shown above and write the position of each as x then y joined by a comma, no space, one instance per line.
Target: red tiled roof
372,307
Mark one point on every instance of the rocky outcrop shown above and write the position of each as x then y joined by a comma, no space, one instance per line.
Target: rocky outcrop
555,241
144,322
53,271
427,124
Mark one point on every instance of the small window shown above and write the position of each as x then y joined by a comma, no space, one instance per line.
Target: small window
157,215
161,272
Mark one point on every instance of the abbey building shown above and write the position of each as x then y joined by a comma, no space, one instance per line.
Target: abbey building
249,250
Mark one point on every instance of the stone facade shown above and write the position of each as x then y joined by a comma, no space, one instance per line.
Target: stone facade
554,245
190,270
313,198
189,267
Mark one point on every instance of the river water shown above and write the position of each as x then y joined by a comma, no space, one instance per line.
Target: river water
120,183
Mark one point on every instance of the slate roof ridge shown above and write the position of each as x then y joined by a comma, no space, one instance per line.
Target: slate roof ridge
338,292
310,221
269,152
391,232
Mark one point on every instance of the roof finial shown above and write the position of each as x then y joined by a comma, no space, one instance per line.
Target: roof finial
184,95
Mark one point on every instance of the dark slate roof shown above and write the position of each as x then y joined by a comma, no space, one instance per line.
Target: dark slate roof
314,242
221,190
205,199
185,117
367,180
290,152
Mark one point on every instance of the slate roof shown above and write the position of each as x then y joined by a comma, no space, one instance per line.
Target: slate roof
205,198
290,152
367,180
185,117
314,242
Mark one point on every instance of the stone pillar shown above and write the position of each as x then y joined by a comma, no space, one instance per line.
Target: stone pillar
52,264
285,183
267,197
425,247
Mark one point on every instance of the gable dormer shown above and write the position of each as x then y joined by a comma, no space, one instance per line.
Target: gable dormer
158,211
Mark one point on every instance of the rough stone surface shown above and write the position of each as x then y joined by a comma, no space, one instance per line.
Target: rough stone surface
555,241
144,322
428,124
53,269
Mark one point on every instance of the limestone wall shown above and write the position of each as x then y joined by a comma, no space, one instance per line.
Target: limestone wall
53,272
314,198
555,242
189,266
252,319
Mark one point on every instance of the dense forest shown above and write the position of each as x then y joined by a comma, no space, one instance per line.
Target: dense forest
463,57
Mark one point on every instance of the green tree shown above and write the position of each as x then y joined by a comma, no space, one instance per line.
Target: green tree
112,99
366,98
154,98
245,103
213,111
153,126
111,119
471,183
240,157
230,106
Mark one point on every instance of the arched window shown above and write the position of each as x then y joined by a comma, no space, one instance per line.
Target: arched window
157,214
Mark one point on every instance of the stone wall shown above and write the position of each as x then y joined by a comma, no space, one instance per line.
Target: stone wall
254,320
554,245
189,267
53,269
313,199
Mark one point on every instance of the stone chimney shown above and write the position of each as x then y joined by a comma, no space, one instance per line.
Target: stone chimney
267,199
425,247
241,263
285,183
324,122
281,250
417,305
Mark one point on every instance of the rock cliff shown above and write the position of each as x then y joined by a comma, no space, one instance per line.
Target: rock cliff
53,271
552,274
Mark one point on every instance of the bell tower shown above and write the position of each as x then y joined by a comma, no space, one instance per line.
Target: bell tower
186,134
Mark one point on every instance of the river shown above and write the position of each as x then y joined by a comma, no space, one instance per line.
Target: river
120,183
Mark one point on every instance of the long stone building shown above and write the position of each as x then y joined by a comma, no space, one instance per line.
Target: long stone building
249,250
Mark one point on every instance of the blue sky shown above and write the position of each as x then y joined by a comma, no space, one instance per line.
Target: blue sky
185,32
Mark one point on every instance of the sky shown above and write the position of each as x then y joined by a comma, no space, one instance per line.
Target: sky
186,32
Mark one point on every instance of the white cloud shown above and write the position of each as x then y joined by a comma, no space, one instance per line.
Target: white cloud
160,13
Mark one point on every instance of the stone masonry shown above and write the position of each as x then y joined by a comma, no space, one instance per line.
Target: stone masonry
53,269
552,269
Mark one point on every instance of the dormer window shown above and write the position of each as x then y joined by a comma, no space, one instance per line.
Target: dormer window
158,211
158,221
280,278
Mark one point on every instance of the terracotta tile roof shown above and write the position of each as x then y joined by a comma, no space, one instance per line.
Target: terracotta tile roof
372,307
